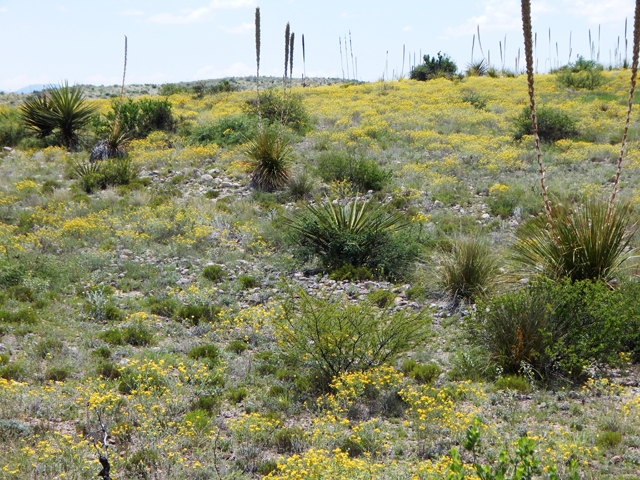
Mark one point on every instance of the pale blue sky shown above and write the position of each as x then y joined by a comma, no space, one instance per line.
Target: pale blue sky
182,40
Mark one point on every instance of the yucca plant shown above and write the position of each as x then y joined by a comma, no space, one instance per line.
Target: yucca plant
269,156
69,112
361,234
587,242
34,113
468,271
581,242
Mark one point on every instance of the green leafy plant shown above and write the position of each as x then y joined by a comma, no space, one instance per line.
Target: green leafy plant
517,383
553,125
214,273
269,156
441,67
227,131
583,74
362,234
335,336
274,109
247,282
59,109
364,173
587,242
468,270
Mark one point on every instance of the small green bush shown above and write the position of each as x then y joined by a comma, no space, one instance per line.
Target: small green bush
440,67
137,335
226,132
609,439
421,373
247,282
288,440
207,403
517,383
108,370
364,173
138,117
23,316
349,272
13,371
199,313
269,156
237,395
582,75
553,125
214,273
163,306
4,358
467,271
102,174
48,347
381,298
274,108
237,346
335,336
207,351
57,373
102,352
301,185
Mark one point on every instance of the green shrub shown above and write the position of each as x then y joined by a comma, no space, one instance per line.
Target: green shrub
503,202
266,467
163,306
199,313
301,185
214,273
227,131
583,74
12,130
467,271
137,335
440,67
349,272
587,242
57,373
206,403
108,370
237,346
14,371
4,358
48,347
553,125
361,234
556,327
421,373
381,298
102,352
517,383
11,275
609,439
247,282
365,174
237,395
112,336
269,156
274,108
335,336
208,351
416,292
23,316
102,174
138,118
59,110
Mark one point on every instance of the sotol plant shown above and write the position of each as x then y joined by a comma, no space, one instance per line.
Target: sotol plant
578,242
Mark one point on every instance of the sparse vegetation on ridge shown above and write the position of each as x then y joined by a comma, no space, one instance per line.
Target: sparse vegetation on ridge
187,317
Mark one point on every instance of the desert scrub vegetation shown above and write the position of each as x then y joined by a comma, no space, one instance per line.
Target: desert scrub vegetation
213,338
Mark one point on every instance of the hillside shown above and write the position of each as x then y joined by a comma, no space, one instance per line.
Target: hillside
176,318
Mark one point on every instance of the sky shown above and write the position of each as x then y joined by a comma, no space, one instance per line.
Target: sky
50,41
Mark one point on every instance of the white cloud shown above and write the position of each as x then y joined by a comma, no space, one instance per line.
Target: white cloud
240,29
407,29
501,15
3,9
202,14
600,11
236,70
21,81
128,13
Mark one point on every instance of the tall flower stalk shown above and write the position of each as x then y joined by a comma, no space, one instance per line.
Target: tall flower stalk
634,72
528,50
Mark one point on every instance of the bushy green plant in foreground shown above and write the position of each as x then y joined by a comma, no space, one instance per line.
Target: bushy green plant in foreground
364,173
558,327
586,242
358,233
334,336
